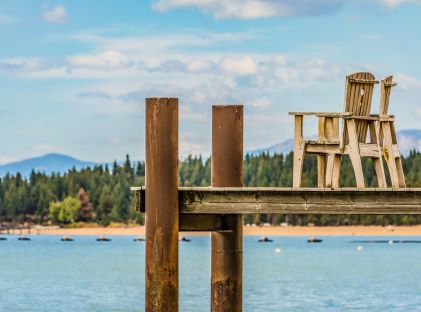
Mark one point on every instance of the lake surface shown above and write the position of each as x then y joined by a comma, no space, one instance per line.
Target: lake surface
48,275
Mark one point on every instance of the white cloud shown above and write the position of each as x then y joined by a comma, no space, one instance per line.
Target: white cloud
4,19
261,103
107,60
193,144
252,9
199,65
372,37
240,65
56,15
407,82
397,3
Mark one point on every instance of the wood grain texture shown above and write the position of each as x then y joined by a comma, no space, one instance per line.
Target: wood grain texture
250,200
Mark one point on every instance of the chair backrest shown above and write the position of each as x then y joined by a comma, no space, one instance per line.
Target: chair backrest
359,89
385,87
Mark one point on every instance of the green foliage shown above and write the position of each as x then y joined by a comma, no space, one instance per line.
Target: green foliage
103,196
66,211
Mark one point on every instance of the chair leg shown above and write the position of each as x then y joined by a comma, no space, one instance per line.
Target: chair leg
299,150
354,153
330,165
397,155
379,168
401,175
321,171
336,171
389,154
377,161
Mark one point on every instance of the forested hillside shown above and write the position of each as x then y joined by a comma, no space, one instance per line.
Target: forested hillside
102,195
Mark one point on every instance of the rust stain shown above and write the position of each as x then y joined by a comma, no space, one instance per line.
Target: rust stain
161,205
227,170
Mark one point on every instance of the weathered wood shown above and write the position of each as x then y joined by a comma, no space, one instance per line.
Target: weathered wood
250,200
329,147
227,247
388,153
336,171
368,81
321,158
385,89
322,114
388,140
161,203
203,223
299,150
354,153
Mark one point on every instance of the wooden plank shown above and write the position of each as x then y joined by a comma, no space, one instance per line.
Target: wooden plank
299,151
203,223
368,81
205,200
321,114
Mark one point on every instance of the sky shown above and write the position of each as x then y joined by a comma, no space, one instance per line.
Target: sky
74,74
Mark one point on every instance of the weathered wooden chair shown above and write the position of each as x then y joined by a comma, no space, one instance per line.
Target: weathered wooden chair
387,135
330,146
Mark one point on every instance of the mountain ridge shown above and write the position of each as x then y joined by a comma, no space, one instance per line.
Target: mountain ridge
59,163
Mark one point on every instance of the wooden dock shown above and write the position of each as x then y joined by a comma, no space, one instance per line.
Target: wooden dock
170,209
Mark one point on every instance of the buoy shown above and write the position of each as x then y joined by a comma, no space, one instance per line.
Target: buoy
360,248
391,242
24,238
278,250
103,239
313,239
138,239
66,239
265,240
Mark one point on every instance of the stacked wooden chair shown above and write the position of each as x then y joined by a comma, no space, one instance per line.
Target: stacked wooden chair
387,135
356,119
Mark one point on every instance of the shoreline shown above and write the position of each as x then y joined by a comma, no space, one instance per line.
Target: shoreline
248,231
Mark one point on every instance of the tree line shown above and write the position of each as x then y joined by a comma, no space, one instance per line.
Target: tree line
102,195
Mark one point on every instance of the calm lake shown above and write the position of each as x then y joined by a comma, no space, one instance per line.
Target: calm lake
48,275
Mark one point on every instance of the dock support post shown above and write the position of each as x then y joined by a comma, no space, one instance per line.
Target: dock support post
227,171
161,205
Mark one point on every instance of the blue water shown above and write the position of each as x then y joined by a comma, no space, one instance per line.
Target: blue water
48,275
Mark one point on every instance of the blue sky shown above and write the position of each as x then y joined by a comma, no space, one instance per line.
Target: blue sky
74,74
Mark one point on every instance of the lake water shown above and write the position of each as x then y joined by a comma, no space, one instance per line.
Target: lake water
48,275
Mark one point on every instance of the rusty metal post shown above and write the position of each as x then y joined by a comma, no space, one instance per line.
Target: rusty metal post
161,204
227,247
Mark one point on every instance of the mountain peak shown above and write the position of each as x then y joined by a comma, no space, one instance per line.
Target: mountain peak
49,163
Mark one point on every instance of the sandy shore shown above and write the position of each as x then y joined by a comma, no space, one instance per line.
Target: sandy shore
253,231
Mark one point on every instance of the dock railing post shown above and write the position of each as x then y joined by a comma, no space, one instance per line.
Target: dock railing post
227,171
161,278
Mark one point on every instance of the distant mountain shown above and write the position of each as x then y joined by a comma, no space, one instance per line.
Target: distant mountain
407,140
281,148
48,163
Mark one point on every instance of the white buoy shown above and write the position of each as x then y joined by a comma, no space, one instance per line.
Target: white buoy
390,242
278,250
360,248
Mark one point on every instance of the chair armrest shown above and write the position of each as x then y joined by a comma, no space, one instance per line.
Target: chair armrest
368,118
373,118
382,116
321,114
